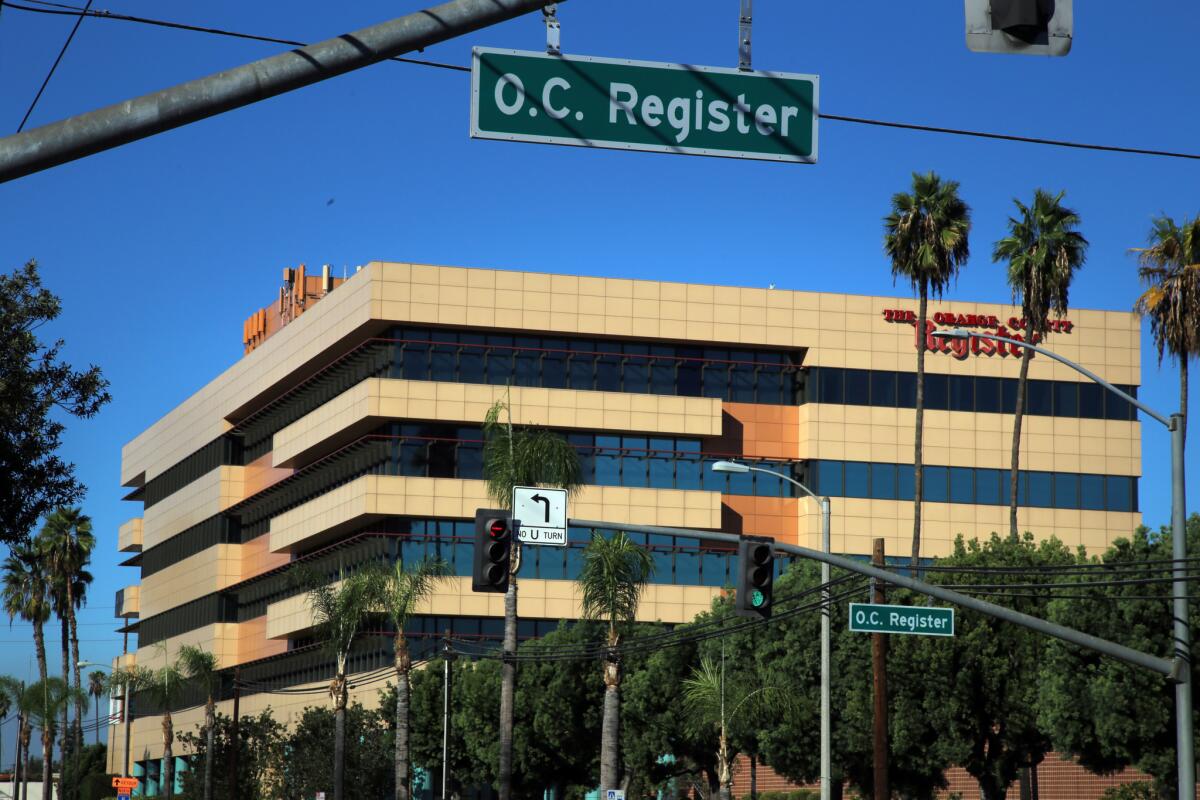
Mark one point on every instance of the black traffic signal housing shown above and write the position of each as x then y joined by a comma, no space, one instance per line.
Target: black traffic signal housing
493,550
1026,27
756,577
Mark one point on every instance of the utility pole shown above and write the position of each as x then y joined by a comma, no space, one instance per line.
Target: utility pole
447,657
879,671
115,125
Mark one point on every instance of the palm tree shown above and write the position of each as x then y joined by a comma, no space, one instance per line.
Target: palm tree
401,590
44,701
1043,250
67,542
200,667
97,686
132,679
27,595
925,236
519,457
615,571
338,616
164,685
1170,267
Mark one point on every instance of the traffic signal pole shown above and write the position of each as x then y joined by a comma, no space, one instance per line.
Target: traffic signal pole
128,121
879,731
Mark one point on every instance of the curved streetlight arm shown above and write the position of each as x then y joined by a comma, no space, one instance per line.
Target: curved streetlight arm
961,333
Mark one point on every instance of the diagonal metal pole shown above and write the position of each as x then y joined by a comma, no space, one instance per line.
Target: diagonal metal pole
115,125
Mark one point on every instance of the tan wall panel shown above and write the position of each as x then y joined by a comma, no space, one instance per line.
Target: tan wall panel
446,497
130,601
759,431
382,399
208,571
220,639
863,433
539,599
129,536
202,498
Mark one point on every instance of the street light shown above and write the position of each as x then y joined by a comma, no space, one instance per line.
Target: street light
1185,746
826,757
126,710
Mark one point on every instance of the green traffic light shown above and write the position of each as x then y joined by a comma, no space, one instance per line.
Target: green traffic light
757,599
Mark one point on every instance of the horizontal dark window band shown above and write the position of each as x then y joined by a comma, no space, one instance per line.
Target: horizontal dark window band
974,485
223,451
971,393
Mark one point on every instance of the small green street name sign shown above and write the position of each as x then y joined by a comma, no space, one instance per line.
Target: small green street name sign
921,620
638,105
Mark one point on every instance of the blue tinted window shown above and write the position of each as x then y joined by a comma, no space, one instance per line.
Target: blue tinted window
662,376
857,387
830,385
962,485
1066,490
742,380
906,390
741,483
883,388
1066,399
687,472
416,362
829,478
1118,408
608,468
554,365
634,469
987,395
962,393
1091,492
687,373
883,481
713,481
937,391
1040,489
714,568
687,565
1091,400
662,469
857,479
580,371
1008,395
988,487
608,371
636,375
936,484
1038,399
1119,493
905,481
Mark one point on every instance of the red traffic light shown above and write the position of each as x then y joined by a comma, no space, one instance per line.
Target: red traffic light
498,528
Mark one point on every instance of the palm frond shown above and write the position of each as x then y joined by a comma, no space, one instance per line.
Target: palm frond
1170,267
403,589
926,234
339,611
614,574
525,456
201,667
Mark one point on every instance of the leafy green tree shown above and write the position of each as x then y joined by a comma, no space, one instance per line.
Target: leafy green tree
425,743
87,773
261,748
987,674
38,388
97,687
525,456
368,754
614,574
790,654
1170,267
165,686
1044,250
1105,714
200,668
339,613
401,590
925,236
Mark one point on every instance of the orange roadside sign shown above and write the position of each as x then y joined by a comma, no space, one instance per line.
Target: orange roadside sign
125,783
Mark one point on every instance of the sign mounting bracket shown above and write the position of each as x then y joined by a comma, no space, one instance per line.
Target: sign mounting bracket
553,29
744,21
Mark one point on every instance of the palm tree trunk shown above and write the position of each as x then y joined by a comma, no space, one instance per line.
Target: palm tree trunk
17,771
168,755
72,624
610,727
403,664
753,777
1018,417
339,736
98,720
64,731
26,741
47,755
210,724
918,467
508,681
1183,393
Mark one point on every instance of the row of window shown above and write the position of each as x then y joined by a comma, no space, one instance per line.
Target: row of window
678,560
224,450
972,485
862,387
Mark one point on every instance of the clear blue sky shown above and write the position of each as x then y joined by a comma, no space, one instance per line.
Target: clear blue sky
161,248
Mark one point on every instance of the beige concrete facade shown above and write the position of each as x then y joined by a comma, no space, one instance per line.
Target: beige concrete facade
827,331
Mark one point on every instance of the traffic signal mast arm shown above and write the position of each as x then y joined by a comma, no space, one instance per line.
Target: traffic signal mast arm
1171,669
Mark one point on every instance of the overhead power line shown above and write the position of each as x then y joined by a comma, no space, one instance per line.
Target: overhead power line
82,13
70,10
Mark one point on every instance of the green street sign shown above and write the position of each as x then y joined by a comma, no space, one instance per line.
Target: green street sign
523,96
921,620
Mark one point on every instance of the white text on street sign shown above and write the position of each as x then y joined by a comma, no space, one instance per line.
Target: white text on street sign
920,620
543,515
522,96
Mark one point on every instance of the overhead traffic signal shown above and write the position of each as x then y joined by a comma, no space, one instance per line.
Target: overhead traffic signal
1026,27
493,550
756,577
